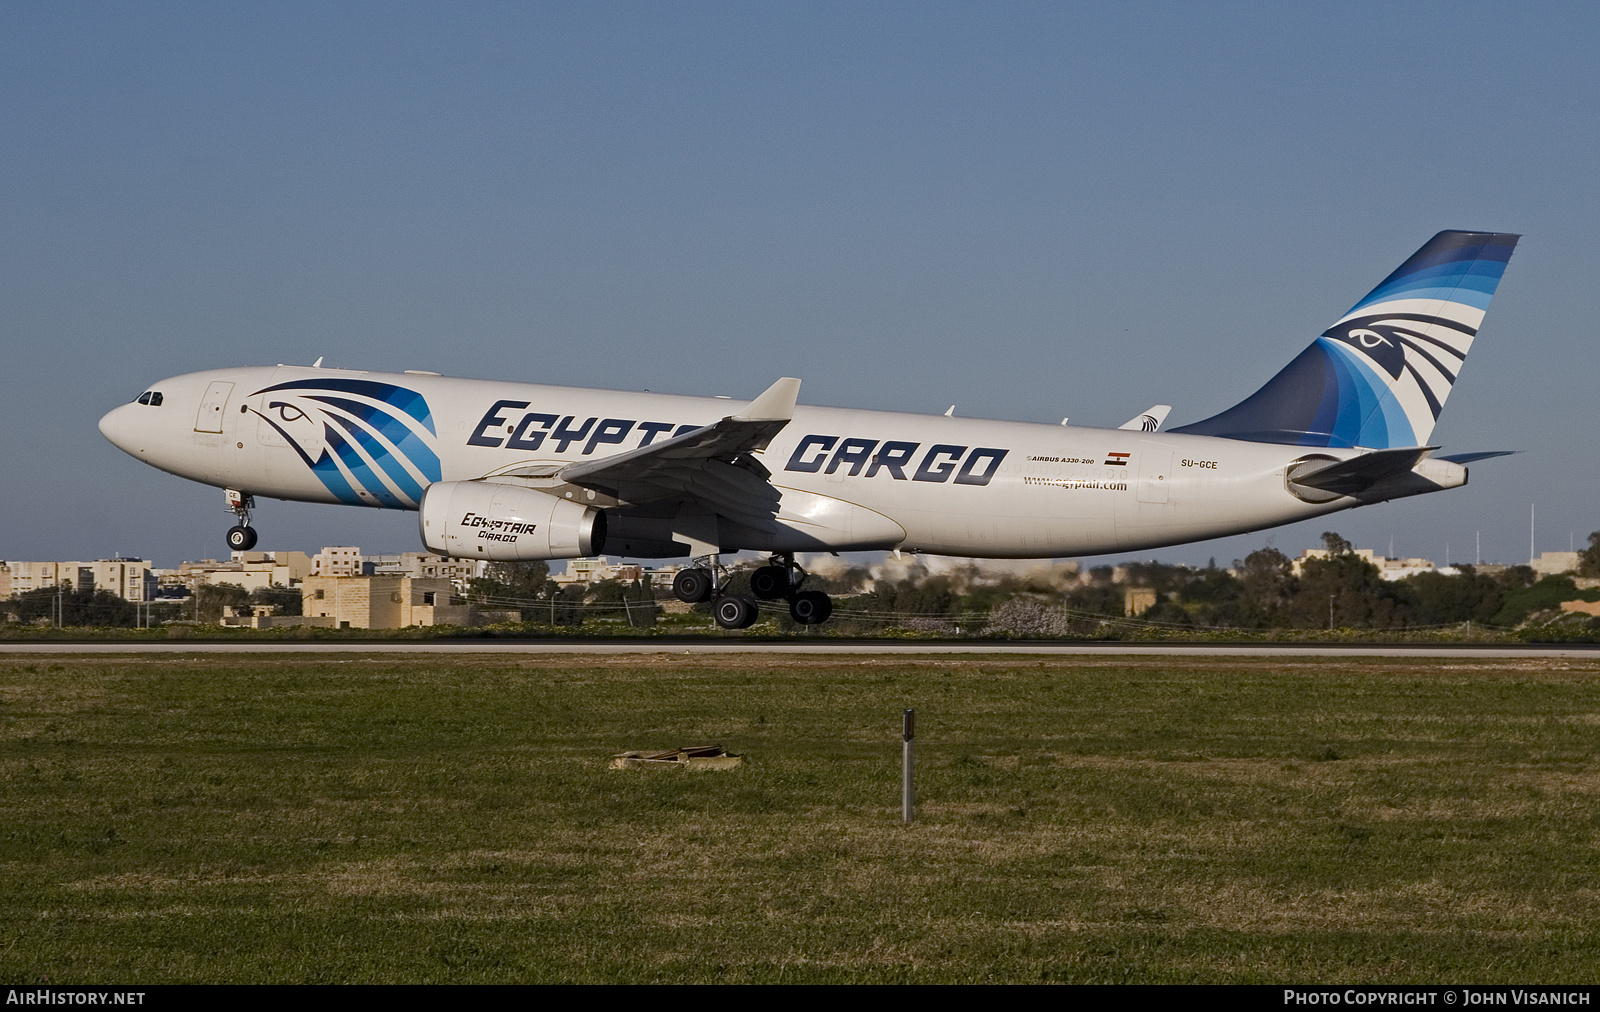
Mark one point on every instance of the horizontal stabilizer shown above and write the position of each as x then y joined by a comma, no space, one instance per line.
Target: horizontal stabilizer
1356,475
1149,421
1467,458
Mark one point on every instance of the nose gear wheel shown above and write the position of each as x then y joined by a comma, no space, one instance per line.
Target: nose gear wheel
241,536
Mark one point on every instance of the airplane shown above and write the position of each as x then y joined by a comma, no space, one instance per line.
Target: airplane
508,471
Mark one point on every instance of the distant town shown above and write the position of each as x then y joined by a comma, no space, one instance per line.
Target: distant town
338,587
342,587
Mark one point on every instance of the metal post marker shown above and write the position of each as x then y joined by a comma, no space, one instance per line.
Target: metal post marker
908,733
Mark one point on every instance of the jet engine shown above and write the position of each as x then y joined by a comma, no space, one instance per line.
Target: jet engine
505,523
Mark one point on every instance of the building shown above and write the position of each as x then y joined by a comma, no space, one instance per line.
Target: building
339,560
661,577
1137,600
250,570
587,571
1389,569
422,565
1555,563
129,579
1399,569
390,602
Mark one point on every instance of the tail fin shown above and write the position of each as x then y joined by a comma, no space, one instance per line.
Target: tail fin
1379,377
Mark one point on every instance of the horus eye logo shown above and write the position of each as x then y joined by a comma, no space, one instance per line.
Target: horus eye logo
1378,338
1430,348
369,443
1368,339
293,425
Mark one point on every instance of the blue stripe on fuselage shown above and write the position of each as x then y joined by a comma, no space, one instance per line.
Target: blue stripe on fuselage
362,473
395,431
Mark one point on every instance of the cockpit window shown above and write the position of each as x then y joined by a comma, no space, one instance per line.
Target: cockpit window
150,397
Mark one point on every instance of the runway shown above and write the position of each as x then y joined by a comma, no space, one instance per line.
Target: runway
840,647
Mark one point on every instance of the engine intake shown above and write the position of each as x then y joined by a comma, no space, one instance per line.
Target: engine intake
507,523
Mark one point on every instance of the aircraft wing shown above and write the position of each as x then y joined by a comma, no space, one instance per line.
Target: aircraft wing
712,465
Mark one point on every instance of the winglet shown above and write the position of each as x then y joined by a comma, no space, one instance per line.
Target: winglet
776,403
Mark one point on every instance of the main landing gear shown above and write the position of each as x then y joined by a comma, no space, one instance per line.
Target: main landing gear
782,577
241,536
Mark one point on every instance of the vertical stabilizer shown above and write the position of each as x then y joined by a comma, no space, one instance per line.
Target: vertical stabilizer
1379,377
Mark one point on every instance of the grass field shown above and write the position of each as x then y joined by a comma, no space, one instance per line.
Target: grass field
386,819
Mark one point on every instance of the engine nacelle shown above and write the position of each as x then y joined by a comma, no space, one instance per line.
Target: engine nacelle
506,523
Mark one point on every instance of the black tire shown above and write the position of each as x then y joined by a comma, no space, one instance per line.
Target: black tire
811,607
692,586
241,538
770,583
736,612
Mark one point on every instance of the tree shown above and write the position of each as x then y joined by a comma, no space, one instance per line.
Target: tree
1268,585
565,607
1160,577
1545,595
1589,558
1346,590
631,602
527,580
515,585
212,598
1466,597
74,607
917,596
284,600
1336,545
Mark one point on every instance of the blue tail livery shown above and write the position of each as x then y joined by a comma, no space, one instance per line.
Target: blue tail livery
1378,378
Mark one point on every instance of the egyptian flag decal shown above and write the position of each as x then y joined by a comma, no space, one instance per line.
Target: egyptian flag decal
1118,459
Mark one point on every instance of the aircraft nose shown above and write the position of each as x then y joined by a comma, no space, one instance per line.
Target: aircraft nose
119,426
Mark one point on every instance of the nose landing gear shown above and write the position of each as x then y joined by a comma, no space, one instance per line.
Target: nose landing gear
241,536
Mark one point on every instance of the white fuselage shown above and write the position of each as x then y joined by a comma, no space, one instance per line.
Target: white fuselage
849,479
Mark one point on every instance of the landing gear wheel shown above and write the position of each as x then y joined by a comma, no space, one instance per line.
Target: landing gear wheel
736,612
241,536
692,586
811,607
769,582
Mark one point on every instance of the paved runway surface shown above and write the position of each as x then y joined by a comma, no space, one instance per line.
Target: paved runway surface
831,647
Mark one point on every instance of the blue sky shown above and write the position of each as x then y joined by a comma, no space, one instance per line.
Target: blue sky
1029,211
